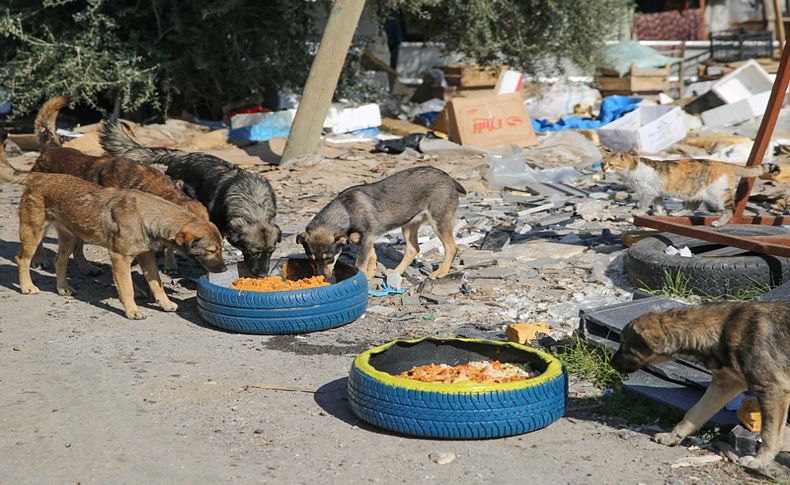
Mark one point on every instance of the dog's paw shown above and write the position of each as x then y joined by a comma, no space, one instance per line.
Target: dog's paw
438,274
717,223
136,315
755,462
67,291
168,306
29,290
667,439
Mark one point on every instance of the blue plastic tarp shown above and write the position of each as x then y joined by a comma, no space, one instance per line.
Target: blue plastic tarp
612,108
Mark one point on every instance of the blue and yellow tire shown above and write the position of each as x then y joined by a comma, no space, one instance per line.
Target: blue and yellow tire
283,312
464,410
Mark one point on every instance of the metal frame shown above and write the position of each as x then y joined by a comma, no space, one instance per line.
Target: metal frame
695,226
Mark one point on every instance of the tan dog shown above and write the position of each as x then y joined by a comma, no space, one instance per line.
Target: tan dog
107,171
745,344
129,223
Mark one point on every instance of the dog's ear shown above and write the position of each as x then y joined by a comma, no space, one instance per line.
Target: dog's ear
341,238
355,237
301,238
186,239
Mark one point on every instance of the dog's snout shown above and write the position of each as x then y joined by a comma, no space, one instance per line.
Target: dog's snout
214,265
258,266
620,363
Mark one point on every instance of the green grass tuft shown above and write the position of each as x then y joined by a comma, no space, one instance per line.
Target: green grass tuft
678,286
588,362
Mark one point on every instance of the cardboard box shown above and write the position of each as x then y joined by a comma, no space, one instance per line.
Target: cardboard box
509,81
743,110
471,75
491,121
648,129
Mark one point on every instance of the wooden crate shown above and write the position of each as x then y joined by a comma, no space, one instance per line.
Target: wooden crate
471,75
638,80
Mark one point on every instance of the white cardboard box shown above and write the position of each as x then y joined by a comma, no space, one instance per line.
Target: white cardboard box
732,113
648,129
746,81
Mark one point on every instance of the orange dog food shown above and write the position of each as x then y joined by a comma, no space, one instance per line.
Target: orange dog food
276,283
484,372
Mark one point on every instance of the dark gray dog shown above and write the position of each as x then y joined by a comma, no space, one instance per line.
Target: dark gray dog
240,203
361,213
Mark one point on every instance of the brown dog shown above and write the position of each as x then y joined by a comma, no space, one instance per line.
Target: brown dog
129,223
107,171
746,345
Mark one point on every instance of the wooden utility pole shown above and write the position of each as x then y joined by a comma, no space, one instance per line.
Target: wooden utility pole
780,25
321,83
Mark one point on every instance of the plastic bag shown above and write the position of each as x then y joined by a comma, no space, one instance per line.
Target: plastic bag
565,148
508,168
622,55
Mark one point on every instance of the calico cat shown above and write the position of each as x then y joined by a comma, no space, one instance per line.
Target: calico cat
695,181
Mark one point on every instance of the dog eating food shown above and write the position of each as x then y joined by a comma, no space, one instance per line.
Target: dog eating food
276,283
361,213
107,171
129,223
241,203
483,372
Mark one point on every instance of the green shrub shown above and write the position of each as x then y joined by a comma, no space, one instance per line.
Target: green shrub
202,55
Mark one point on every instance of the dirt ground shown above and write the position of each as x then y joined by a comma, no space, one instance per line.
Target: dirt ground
89,396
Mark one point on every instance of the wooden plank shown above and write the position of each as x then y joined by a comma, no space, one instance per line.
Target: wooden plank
639,84
322,80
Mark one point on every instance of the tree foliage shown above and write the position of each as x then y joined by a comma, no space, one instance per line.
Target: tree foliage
201,55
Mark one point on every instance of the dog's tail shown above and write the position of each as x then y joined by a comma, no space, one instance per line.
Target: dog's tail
8,173
763,170
45,122
459,188
116,141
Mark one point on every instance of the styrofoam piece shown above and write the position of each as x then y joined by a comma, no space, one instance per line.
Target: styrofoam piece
743,110
359,118
648,129
744,82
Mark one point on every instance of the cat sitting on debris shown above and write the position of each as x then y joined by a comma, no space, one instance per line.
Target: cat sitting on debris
695,181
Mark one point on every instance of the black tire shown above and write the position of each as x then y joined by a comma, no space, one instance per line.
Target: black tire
283,312
647,266
454,411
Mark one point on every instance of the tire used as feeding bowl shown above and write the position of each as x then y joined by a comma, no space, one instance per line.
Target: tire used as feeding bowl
462,410
283,312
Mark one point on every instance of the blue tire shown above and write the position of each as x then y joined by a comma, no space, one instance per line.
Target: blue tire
455,411
283,312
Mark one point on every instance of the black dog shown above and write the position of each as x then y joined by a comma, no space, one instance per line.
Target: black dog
240,203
